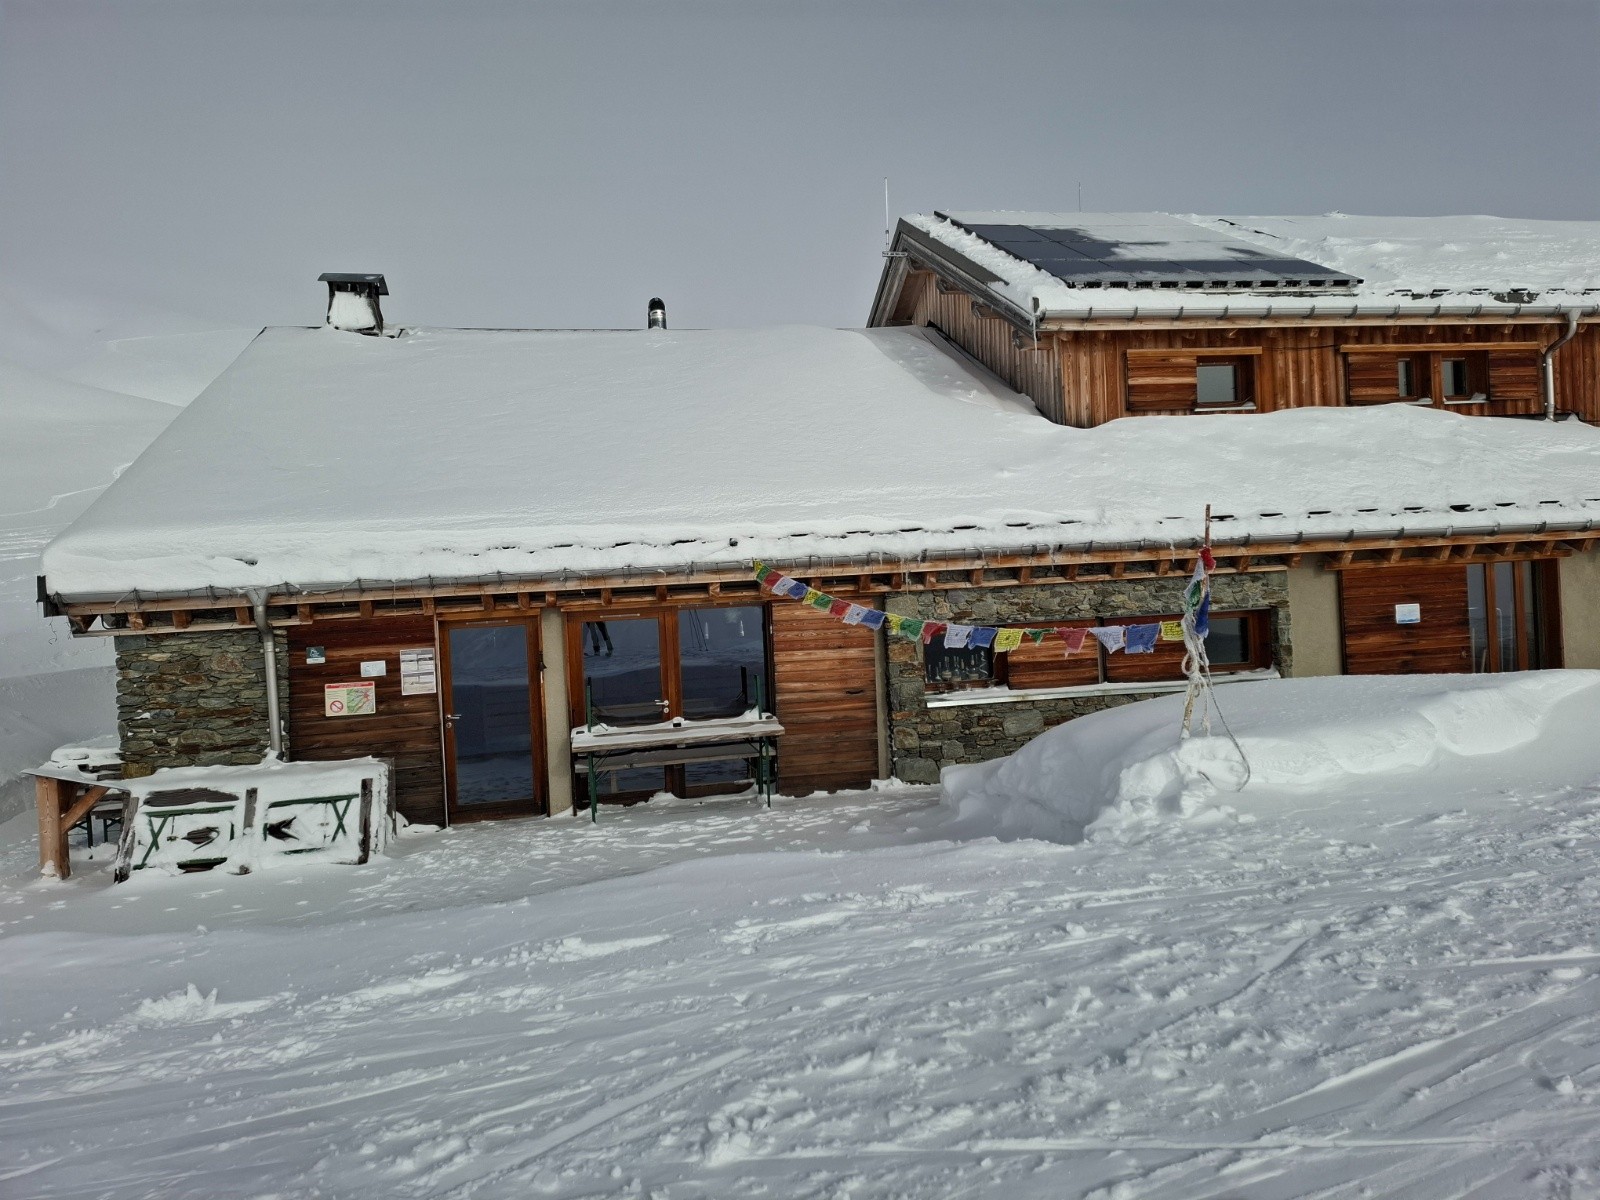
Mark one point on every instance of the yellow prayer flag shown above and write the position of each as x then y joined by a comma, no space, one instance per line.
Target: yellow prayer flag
1007,640
1172,631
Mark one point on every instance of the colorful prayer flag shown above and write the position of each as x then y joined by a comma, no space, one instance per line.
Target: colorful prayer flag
1036,636
1007,640
982,637
873,618
797,590
818,600
853,614
1074,639
931,630
839,607
956,636
1172,631
1112,637
911,629
1141,639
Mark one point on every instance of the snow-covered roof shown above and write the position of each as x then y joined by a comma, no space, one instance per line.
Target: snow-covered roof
1404,265
321,458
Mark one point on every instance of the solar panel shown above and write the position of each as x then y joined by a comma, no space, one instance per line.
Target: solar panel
1127,250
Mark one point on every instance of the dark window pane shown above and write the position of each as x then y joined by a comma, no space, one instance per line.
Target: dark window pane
956,668
1216,383
634,781
622,671
1406,381
723,653
493,730
1478,616
1228,641
1455,377
1505,615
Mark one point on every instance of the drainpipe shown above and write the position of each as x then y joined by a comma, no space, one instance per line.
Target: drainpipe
1547,369
269,656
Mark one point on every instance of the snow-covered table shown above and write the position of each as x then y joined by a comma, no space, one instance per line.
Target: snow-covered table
678,742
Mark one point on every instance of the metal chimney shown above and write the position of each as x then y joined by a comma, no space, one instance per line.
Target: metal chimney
657,316
353,301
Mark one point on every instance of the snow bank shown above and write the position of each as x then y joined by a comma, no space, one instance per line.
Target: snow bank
1307,735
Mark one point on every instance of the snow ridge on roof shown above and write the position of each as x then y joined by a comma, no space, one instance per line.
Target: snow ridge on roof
320,459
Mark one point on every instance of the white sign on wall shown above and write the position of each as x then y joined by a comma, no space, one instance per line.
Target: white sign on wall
374,668
1408,614
417,674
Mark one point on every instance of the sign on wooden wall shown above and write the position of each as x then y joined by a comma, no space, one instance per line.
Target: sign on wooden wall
349,699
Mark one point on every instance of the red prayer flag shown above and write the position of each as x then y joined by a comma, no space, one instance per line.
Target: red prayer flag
933,629
1074,639
839,607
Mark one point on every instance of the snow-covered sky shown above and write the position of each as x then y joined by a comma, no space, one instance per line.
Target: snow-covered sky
557,164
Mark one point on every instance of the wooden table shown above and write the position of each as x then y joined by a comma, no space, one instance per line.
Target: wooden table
63,796
677,743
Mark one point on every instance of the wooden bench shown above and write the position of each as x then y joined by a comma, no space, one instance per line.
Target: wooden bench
677,743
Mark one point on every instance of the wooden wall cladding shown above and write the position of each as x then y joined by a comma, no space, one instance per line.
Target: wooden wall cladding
1514,386
1161,383
826,694
404,728
1033,372
1375,645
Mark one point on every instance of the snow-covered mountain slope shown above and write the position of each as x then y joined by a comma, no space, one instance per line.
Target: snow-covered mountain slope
1385,984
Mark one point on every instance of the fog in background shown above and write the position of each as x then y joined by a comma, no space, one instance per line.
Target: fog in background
558,164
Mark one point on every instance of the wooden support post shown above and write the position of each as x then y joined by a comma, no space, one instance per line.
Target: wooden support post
52,837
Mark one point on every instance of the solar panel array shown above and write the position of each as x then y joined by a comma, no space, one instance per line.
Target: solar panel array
1137,250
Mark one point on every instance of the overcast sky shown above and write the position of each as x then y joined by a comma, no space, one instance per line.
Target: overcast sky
557,164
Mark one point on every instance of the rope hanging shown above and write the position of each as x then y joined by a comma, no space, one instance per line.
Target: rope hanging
1200,697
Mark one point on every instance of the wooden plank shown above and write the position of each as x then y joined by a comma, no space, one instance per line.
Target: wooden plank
1140,352
52,836
405,729
1375,645
1442,347
825,685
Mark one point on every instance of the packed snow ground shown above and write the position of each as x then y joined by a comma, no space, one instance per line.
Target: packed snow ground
1380,983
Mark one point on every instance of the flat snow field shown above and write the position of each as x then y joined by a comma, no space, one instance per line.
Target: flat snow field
1374,971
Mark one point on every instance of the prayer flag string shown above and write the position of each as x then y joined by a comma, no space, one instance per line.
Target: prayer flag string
1141,638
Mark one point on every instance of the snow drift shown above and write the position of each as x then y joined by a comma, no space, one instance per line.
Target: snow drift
1308,735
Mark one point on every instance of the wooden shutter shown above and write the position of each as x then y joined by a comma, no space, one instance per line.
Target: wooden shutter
825,686
1514,381
1047,665
1163,664
1374,378
1374,644
1161,382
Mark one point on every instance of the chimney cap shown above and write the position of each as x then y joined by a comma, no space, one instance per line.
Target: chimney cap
354,277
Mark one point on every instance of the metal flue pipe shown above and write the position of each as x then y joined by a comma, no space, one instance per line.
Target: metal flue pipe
1547,369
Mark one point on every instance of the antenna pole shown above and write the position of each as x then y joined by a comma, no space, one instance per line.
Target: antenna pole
885,210
1080,195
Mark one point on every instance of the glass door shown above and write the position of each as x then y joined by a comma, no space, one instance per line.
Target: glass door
623,685
491,741
1510,616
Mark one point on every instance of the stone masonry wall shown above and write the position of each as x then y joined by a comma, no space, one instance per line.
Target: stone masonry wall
923,739
193,699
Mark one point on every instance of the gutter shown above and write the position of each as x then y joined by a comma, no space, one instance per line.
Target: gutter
269,657
813,564
1547,370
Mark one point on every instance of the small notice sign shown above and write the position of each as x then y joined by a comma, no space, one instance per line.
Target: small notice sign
1408,614
349,699
417,674
375,668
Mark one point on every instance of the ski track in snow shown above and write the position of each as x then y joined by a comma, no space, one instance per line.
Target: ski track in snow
1394,997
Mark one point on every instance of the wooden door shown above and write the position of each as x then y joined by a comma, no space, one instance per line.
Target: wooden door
493,728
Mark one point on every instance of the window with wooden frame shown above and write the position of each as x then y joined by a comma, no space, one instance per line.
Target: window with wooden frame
1511,616
1499,378
1238,641
1190,381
